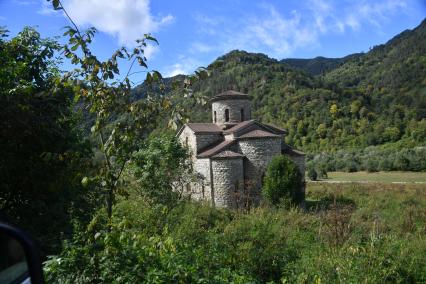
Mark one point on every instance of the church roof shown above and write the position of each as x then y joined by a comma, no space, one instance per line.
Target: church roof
258,134
275,129
228,154
230,95
245,124
204,127
240,126
286,149
215,149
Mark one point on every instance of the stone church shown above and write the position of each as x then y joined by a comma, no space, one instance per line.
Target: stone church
231,154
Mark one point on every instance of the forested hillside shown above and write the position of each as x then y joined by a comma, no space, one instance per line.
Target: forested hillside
319,65
353,102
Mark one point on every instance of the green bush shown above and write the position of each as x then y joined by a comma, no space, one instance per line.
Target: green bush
161,168
282,181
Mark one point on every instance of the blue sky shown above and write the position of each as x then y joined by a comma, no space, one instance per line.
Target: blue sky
194,33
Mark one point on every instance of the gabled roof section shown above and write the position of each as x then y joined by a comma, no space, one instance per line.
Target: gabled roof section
215,149
228,155
240,126
259,134
287,149
230,95
275,129
202,128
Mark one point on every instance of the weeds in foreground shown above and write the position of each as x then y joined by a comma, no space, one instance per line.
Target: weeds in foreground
350,234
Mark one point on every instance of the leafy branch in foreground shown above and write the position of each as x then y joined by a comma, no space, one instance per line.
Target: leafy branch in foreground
120,124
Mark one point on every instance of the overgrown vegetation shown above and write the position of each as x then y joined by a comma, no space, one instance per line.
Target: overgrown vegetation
161,170
351,233
43,154
54,175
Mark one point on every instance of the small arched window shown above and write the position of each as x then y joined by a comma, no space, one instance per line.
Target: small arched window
186,141
242,114
226,115
214,117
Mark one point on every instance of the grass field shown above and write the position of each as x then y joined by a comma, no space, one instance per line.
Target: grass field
381,177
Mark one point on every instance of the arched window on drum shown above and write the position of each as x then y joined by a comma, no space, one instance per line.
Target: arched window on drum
226,115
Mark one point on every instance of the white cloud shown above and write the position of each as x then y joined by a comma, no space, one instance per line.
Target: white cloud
199,47
280,34
2,18
47,9
128,20
377,12
269,32
176,69
352,22
185,65
150,50
353,15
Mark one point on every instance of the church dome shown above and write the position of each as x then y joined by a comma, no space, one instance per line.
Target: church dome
230,107
230,95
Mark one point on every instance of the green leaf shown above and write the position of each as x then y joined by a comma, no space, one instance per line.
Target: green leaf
141,62
151,38
85,181
148,78
55,4
76,98
156,76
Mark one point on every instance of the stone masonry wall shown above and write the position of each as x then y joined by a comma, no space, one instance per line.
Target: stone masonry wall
259,152
198,141
202,189
206,139
188,135
227,173
300,163
234,107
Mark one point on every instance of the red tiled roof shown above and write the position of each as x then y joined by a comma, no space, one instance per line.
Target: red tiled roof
228,154
258,134
215,149
204,127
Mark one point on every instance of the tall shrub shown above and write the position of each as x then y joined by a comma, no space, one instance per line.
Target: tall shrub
282,182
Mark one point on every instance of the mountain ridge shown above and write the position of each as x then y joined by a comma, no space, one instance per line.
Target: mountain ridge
327,104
